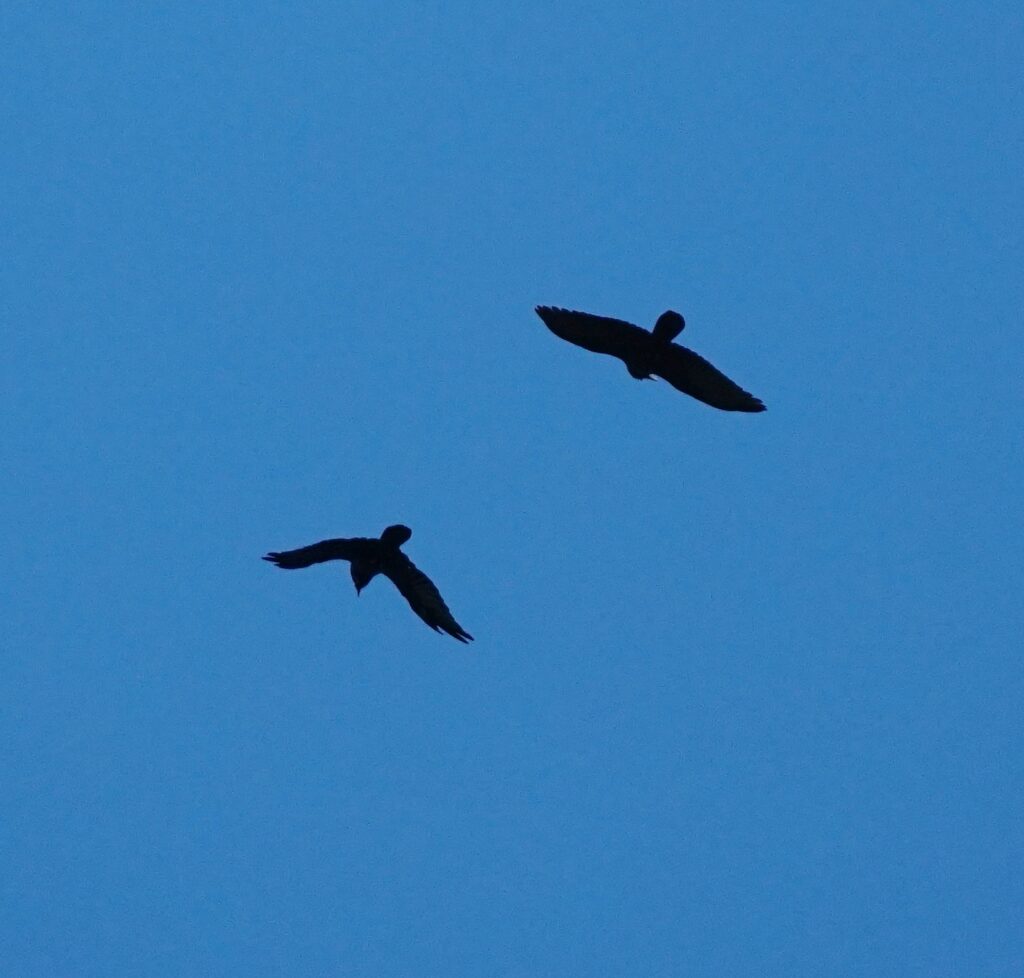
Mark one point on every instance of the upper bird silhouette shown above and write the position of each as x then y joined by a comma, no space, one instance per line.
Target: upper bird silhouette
646,353
370,557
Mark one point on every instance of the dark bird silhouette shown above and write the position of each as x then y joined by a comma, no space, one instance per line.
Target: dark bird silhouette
646,353
368,558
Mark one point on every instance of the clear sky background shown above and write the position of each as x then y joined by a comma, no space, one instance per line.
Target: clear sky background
746,693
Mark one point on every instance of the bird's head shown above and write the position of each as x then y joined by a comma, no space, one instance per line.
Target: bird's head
362,574
395,536
639,371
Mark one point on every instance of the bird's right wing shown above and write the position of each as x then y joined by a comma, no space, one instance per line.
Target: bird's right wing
690,373
317,553
599,334
423,596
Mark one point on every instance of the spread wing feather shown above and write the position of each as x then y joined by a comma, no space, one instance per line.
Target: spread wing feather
690,373
422,595
341,549
599,334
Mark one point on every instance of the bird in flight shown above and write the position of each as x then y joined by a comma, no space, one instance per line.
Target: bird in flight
646,353
368,557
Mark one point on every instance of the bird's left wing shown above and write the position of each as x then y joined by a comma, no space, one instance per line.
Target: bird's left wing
422,595
316,553
690,373
599,334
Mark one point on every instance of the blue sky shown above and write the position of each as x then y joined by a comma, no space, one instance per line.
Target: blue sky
745,695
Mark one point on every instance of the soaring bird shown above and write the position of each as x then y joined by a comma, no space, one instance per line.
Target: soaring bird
368,558
646,353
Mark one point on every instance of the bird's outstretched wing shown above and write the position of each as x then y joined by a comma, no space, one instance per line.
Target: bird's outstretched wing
693,375
316,553
599,334
423,597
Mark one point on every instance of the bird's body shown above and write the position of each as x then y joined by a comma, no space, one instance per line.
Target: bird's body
370,556
646,353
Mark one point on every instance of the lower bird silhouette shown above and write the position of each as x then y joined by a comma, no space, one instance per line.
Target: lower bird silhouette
371,556
651,352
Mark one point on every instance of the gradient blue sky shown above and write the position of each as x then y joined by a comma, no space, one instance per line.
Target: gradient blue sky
746,693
